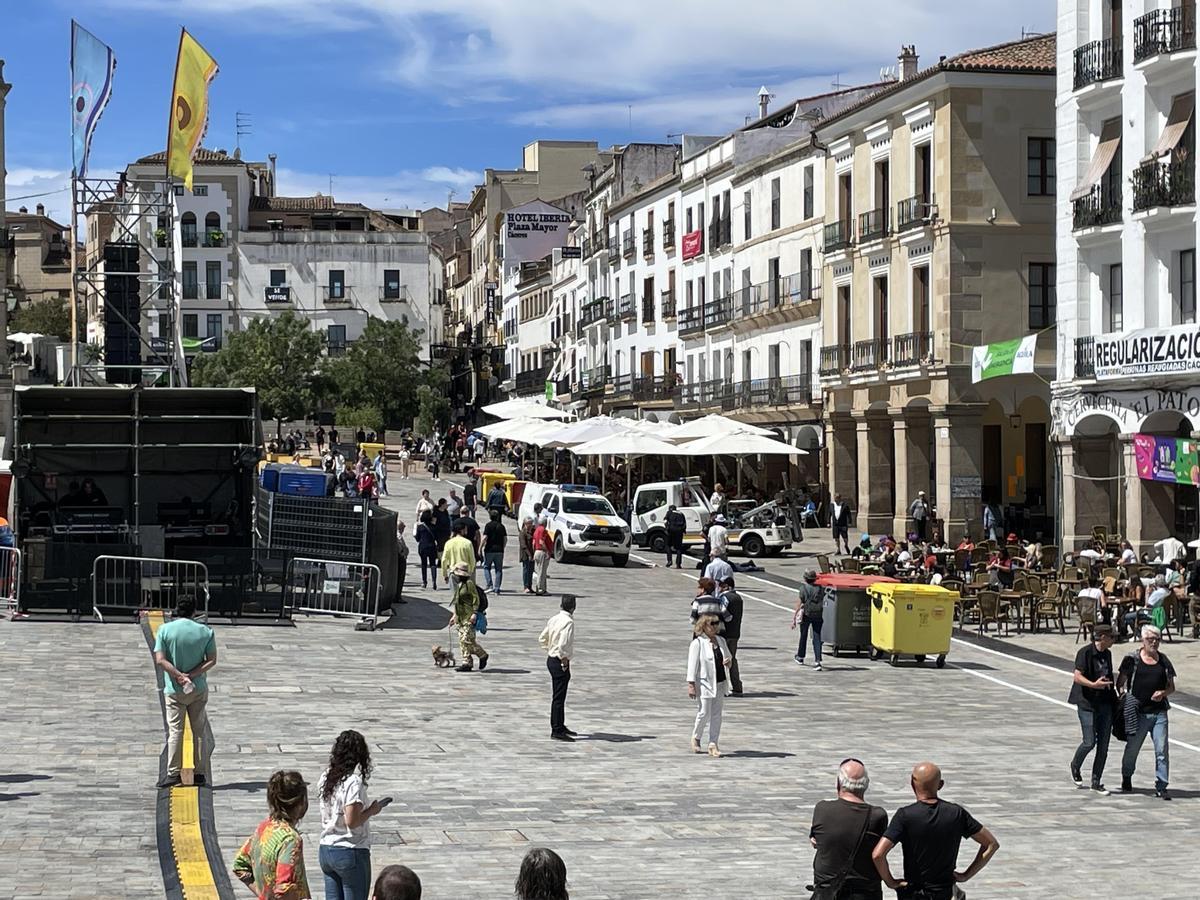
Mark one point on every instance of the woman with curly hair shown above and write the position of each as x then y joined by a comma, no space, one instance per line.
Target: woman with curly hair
271,862
345,850
543,876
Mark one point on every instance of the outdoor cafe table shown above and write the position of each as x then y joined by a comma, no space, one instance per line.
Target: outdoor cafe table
1018,599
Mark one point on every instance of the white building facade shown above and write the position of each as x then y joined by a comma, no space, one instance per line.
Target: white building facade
1126,401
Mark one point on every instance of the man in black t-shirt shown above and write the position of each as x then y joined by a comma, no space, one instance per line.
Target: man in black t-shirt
1093,695
470,494
495,535
844,831
734,606
931,830
470,532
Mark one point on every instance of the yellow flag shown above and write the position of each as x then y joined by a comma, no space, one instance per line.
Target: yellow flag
189,106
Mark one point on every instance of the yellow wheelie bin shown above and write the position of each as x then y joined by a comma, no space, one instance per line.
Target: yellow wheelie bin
911,620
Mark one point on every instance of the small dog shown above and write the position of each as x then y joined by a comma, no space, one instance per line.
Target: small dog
441,658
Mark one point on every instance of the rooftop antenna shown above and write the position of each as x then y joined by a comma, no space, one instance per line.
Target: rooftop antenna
629,109
244,127
836,84
330,184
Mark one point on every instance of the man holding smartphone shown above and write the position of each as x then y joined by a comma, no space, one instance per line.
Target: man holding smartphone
1095,700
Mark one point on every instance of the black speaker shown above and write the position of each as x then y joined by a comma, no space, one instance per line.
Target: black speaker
122,313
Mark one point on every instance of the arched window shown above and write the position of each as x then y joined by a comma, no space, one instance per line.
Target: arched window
213,235
187,229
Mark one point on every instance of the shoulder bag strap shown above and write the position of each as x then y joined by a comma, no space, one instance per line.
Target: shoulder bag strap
849,867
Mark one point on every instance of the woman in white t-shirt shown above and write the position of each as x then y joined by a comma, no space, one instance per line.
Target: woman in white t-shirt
345,849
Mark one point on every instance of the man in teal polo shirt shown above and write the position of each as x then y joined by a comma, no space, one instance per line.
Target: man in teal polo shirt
185,649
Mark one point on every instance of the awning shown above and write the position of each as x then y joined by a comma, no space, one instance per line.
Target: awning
1106,150
1177,123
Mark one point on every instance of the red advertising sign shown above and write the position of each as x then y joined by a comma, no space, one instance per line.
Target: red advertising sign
693,243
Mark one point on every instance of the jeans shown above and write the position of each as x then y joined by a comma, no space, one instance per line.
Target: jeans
347,872
1096,724
1154,724
527,574
429,567
815,625
560,677
1133,621
193,706
493,561
675,548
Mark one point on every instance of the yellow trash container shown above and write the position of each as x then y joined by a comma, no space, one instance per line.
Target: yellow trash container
911,620
490,480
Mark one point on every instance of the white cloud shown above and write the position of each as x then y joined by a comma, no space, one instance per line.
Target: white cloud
408,188
23,181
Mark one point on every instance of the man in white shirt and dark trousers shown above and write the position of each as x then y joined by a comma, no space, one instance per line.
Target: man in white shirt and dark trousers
558,640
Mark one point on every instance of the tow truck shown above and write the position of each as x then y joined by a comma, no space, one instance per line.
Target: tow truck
580,520
756,531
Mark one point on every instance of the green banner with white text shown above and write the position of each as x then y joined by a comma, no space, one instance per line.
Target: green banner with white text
1004,358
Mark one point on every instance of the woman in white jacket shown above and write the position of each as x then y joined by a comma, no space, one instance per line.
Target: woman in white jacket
708,681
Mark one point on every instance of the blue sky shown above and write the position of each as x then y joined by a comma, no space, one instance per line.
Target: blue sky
406,100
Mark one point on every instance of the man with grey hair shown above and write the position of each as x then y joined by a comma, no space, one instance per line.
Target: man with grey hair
1156,597
844,832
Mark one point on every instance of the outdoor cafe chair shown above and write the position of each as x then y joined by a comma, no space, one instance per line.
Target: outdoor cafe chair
992,610
1047,607
1086,608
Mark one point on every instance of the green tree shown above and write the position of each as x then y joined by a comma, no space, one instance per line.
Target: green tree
381,369
49,317
432,409
279,357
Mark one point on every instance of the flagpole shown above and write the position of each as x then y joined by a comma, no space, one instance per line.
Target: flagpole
75,379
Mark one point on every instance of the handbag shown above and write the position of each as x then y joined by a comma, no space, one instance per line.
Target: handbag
1125,722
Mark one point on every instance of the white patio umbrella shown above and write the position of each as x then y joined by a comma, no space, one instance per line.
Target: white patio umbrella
627,443
739,444
512,409
524,428
588,430
710,425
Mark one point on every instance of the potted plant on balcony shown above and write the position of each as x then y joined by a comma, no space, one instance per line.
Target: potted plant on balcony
160,235
216,237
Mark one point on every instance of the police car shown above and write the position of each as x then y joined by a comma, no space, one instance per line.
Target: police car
580,520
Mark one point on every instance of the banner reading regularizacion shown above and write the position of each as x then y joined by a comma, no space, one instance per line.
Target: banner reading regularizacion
1013,357
1148,351
1170,459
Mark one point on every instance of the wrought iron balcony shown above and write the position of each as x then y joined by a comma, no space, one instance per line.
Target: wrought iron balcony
593,312
394,293
188,237
1164,184
668,233
1164,31
691,320
718,312
704,393
655,387
838,236
869,355
835,359
914,212
668,305
912,349
1085,357
335,294
562,387
1100,206
1098,61
648,243
614,249
532,381
623,384
628,245
627,307
720,233
790,290
593,381
648,316
874,224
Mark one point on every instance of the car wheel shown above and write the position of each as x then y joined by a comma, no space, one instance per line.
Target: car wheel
560,552
752,545
658,542
620,561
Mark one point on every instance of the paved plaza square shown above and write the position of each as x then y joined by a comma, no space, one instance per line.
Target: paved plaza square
632,811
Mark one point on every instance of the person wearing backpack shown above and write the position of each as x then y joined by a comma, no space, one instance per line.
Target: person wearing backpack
469,605
809,615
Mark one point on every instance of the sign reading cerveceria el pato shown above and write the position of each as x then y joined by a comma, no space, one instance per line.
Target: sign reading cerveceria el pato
1004,358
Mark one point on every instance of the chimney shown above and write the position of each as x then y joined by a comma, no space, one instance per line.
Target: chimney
272,157
764,101
23,210
908,61
41,209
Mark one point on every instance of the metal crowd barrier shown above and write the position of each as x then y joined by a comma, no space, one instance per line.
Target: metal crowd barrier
136,583
10,579
333,587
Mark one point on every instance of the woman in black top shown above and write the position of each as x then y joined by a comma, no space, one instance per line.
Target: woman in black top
1149,678
427,548
442,526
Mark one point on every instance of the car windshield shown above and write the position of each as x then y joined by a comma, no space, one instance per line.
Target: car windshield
595,505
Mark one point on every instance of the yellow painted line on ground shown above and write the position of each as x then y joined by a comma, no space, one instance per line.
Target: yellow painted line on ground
191,860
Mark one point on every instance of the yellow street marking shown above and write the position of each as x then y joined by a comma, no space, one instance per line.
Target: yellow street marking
191,860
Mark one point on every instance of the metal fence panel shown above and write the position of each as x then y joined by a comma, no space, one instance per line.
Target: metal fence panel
317,527
136,583
10,579
333,587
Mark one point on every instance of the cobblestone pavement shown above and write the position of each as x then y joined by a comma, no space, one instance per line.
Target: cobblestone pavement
634,814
